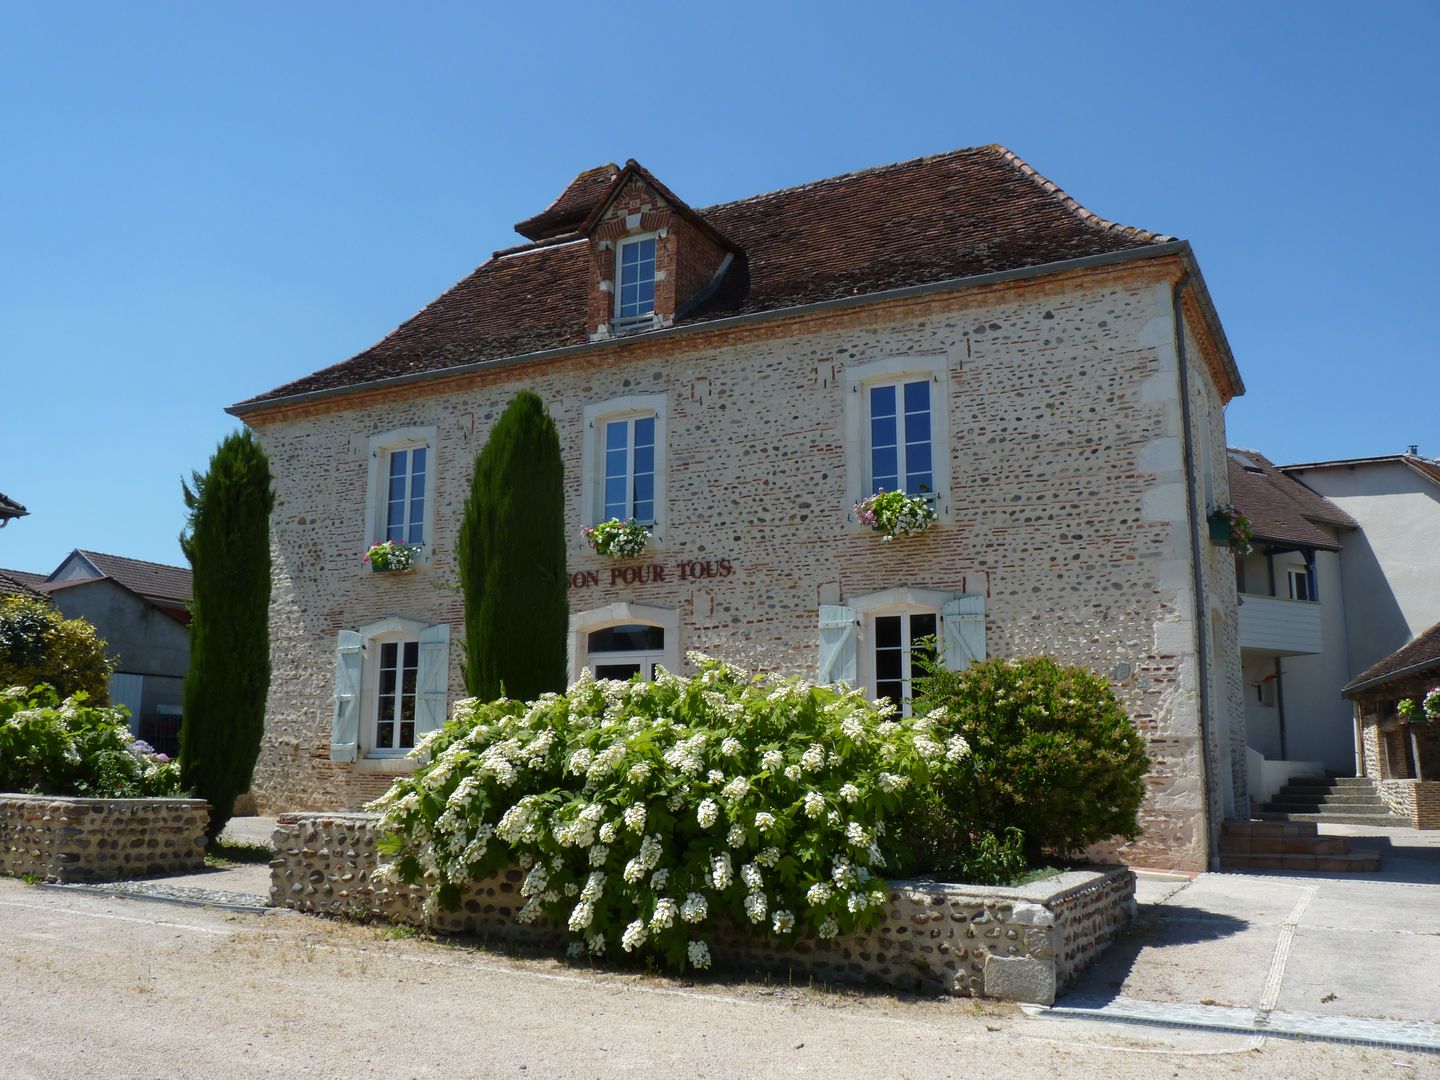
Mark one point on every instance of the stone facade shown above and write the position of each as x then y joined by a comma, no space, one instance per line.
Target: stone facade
1403,759
1074,489
71,839
1020,944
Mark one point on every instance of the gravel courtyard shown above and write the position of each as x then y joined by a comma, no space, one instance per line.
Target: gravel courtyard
97,986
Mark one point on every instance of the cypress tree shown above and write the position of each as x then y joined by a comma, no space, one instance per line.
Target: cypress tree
227,540
511,558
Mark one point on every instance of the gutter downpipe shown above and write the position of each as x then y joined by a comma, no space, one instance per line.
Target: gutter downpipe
1201,614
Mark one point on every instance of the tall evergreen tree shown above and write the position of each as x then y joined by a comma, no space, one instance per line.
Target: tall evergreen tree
512,558
227,540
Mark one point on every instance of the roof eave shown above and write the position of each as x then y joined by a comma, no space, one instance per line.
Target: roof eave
972,281
1390,676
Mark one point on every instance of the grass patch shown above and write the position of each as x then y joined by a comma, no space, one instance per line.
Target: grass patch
223,854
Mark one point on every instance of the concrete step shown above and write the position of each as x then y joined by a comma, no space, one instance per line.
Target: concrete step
1333,783
1383,820
1310,806
1325,798
1351,862
1267,828
1283,845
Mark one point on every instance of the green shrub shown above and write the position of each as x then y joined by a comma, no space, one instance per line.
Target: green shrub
1053,755
646,812
39,645
227,541
511,558
54,747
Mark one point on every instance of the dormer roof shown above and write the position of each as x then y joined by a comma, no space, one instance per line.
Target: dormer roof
573,205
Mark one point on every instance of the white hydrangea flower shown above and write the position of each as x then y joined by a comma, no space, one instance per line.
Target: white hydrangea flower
813,760
768,857
857,835
772,760
877,857
699,955
792,772
736,789
650,851
531,911
665,912
735,837
715,776
755,907
886,728
764,822
829,928
927,748
695,908
580,761
596,944
575,950
956,748
784,922
572,889
635,817
722,873
890,782
852,728
598,854
634,936
833,817
638,773
730,746
849,792
707,812
750,874
659,879
818,894
581,916
814,804
841,872
607,833
594,886
855,902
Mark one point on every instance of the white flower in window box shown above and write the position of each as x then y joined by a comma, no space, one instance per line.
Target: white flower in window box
392,557
895,514
616,539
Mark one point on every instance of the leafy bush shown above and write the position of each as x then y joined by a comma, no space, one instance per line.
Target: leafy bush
647,812
54,747
1053,755
39,645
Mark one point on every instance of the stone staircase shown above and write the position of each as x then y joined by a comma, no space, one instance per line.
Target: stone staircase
1345,800
1289,846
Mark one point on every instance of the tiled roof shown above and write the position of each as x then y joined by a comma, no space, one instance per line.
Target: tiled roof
154,581
10,508
25,577
18,583
933,219
1419,656
1281,510
1426,467
573,205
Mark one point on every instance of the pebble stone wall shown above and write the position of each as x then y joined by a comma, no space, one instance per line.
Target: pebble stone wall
71,839
1020,944
1068,510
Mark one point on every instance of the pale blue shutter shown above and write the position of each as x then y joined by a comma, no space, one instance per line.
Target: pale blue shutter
964,630
838,644
433,679
345,729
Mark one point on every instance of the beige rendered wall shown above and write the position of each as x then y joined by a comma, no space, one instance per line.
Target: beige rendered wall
1067,509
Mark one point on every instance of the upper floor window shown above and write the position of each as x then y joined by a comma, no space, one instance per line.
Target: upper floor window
897,427
635,278
901,451
1300,584
630,469
624,470
400,503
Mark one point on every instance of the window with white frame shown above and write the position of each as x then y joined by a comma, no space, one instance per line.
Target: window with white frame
1299,581
635,278
620,641
624,467
897,428
879,641
391,688
401,499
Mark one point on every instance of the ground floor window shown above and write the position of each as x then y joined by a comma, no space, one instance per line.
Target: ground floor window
902,643
391,688
397,675
621,652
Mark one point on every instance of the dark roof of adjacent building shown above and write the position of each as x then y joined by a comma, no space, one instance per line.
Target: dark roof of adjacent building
1426,467
154,581
927,221
24,577
1421,655
1282,510
9,508
15,583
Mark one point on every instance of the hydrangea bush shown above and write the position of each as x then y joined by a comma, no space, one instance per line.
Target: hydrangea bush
646,813
54,747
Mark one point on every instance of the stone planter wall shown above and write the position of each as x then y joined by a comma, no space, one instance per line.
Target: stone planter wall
1021,944
71,839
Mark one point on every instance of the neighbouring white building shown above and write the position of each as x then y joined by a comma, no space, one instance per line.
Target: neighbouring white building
738,376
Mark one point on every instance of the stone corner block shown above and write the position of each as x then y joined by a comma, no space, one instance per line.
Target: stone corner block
1018,978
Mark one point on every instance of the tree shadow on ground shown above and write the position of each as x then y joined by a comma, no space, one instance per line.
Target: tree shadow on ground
1156,926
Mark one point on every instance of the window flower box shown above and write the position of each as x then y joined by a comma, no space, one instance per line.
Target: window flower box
392,557
895,514
1230,528
1426,710
616,539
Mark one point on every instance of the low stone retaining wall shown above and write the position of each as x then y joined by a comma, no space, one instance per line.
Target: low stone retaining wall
1020,944
71,839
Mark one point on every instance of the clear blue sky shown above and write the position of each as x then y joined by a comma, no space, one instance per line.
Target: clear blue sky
203,201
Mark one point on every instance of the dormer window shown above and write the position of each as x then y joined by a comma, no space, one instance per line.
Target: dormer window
635,287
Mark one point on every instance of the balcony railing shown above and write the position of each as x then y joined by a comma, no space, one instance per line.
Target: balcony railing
1280,626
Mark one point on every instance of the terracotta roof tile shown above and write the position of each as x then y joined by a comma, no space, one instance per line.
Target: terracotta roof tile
1281,510
932,219
573,205
1418,657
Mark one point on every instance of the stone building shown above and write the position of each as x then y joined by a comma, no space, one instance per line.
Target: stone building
738,376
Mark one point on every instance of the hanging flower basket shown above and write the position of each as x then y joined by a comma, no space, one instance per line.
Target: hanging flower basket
1230,528
392,557
616,539
895,514
1426,710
